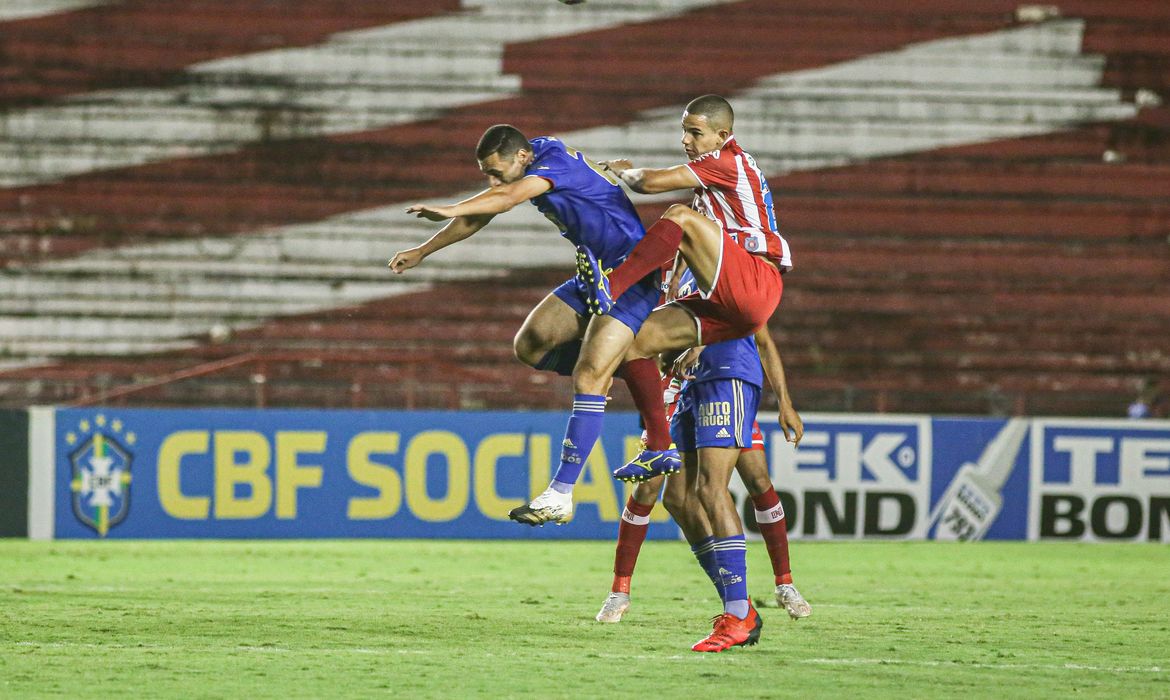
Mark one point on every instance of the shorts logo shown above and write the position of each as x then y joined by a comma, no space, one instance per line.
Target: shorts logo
100,472
723,433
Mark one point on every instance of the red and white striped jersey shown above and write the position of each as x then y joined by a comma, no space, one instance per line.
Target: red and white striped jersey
736,195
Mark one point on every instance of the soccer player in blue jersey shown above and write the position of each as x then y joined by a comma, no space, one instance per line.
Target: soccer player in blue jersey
714,424
593,212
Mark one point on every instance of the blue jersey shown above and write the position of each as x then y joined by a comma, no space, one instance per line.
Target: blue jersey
589,208
731,359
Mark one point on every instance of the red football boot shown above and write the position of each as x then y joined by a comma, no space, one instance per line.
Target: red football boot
730,631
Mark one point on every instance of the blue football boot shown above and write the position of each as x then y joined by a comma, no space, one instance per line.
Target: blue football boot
593,280
649,464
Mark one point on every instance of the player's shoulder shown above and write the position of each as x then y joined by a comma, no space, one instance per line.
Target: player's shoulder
546,145
549,151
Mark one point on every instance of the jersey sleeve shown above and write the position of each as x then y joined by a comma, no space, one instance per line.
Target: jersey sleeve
715,172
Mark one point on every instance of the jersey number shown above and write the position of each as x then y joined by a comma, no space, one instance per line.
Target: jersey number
592,166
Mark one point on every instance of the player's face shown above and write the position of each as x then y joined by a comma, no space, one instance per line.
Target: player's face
698,136
502,171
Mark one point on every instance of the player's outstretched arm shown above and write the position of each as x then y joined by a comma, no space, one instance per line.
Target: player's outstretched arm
467,217
652,180
461,227
790,421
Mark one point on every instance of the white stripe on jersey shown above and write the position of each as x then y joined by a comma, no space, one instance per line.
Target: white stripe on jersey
747,196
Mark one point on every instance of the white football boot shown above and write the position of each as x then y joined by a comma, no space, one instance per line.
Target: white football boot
549,507
616,605
791,600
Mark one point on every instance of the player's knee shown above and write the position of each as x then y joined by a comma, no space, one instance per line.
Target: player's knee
523,350
589,377
707,488
678,213
757,485
675,504
646,493
530,347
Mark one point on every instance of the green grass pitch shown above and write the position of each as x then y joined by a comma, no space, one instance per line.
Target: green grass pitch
413,619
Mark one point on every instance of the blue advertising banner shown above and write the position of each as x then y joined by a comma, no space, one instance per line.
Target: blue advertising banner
220,473
284,473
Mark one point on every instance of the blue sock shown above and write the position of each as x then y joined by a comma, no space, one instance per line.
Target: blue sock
731,559
704,551
580,435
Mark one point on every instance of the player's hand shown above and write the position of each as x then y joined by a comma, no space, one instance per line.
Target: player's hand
616,166
403,260
684,364
791,423
672,288
429,212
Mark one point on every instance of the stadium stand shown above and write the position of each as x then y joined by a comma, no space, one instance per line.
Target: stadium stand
196,207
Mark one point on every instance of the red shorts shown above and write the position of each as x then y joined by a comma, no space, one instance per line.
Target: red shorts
747,290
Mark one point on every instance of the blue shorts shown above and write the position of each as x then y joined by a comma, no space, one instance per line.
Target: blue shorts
631,308
716,413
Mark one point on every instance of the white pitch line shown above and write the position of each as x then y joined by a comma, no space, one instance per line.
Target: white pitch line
1157,670
993,667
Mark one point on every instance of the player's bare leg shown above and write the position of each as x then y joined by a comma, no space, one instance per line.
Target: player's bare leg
698,239
602,350
549,325
551,339
740,624
753,470
691,519
668,328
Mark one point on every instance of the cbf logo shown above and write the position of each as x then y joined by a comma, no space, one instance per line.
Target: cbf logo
100,472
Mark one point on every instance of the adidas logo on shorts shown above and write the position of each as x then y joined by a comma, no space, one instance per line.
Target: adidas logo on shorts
723,433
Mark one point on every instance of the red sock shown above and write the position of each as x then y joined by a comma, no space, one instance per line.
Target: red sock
645,385
631,534
770,518
652,252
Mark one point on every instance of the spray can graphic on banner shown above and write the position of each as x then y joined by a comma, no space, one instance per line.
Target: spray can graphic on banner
972,501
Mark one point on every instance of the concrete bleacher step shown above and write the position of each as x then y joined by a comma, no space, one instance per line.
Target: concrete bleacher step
927,281
264,99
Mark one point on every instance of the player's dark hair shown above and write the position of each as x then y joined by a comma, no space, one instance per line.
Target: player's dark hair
716,109
503,140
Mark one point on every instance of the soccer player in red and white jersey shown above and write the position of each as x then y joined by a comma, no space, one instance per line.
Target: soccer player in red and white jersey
728,238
